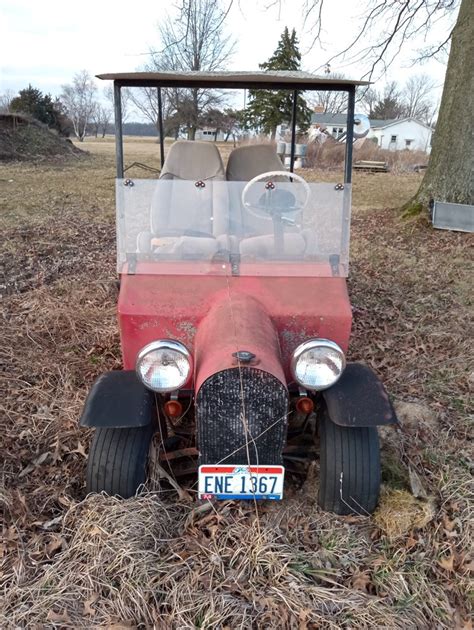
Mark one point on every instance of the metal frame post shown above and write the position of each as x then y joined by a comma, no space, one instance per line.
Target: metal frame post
349,134
293,129
118,130
160,127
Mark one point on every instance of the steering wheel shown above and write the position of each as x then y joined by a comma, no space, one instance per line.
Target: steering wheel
271,190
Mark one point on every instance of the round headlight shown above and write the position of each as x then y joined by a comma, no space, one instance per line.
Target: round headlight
317,364
164,366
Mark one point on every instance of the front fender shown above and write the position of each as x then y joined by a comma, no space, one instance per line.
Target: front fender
359,399
118,400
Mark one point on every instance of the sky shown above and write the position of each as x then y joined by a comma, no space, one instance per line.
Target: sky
45,43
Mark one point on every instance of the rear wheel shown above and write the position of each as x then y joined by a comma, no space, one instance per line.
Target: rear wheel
118,460
350,468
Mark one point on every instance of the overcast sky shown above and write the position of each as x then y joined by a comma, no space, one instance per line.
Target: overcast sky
45,42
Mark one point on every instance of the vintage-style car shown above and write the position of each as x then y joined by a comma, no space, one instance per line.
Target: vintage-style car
235,319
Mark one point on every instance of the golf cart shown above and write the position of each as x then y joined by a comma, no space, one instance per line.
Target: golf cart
235,320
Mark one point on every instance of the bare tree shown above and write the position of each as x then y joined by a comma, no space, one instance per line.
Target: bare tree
368,99
331,102
194,41
145,101
384,29
79,101
5,100
125,97
100,119
417,98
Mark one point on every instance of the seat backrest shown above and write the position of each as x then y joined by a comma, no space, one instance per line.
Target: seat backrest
191,160
244,164
179,206
251,160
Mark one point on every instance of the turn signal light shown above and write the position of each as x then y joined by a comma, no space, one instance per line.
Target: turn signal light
304,405
173,408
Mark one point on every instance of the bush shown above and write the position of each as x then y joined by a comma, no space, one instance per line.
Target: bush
330,154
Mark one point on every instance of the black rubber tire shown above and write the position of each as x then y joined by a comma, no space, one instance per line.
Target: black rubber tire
118,460
350,468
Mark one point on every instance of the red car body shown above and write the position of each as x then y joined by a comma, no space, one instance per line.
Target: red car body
251,310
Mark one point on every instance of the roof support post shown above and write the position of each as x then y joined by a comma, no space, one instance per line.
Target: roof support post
118,130
349,134
160,127
293,129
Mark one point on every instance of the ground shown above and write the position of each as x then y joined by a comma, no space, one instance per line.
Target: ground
152,560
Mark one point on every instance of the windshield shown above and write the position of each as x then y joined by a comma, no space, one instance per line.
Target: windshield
277,224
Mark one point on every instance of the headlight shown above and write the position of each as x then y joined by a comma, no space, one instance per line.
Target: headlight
317,364
164,365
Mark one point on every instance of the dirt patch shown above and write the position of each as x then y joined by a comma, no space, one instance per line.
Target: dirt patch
23,138
414,416
40,257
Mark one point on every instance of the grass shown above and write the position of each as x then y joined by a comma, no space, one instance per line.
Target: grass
71,562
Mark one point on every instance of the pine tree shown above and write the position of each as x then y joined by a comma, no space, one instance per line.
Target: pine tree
268,109
42,107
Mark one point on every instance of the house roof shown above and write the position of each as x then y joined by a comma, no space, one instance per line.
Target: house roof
340,119
329,119
276,79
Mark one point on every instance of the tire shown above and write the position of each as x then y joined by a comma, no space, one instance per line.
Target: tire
350,468
118,460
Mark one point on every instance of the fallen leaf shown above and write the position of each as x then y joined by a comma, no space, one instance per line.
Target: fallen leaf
52,523
88,610
447,562
360,581
411,542
416,486
54,545
79,449
56,617
449,524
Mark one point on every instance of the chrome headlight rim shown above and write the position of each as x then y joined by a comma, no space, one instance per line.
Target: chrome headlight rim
164,344
311,344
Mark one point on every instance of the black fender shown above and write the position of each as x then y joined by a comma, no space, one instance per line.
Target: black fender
359,399
118,400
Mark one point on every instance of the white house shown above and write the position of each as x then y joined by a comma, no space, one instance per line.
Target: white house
404,133
209,134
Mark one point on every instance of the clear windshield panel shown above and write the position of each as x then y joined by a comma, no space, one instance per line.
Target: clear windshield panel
280,226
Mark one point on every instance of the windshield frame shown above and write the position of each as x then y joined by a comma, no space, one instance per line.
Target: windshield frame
182,80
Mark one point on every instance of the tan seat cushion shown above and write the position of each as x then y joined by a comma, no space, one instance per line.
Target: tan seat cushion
188,159
179,206
251,160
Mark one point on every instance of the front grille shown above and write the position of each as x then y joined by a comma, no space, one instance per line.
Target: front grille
229,401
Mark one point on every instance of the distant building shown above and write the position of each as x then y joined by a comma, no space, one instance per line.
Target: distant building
403,133
208,134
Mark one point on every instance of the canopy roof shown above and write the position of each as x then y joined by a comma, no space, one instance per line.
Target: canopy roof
276,79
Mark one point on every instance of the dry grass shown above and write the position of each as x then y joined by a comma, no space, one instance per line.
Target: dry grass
330,154
99,562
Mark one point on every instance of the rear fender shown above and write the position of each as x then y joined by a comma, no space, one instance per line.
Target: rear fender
118,400
359,399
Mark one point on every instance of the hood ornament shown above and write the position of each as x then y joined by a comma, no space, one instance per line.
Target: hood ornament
244,356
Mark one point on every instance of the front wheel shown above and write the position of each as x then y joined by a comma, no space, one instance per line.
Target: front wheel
118,460
350,468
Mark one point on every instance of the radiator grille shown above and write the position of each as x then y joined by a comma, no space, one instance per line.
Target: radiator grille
220,416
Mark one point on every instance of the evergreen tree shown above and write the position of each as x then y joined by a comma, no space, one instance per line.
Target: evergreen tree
268,109
40,106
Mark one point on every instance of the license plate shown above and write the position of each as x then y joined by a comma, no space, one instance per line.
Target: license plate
241,482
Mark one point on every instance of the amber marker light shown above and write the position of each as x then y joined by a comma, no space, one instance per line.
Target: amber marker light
173,408
304,405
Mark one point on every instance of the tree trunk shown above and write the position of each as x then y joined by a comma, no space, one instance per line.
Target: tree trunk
449,176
